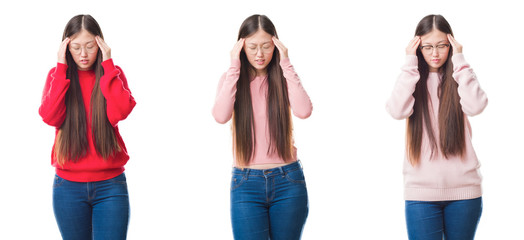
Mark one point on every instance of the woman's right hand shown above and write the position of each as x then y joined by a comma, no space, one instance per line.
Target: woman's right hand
235,53
62,51
411,49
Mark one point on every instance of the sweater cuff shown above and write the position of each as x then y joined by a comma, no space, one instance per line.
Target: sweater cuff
458,60
285,63
235,63
108,65
61,69
411,60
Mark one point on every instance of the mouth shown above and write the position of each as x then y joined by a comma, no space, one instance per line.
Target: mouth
435,60
84,61
260,61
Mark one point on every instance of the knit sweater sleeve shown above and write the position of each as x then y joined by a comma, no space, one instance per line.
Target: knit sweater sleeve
53,108
114,87
226,92
400,104
298,98
472,98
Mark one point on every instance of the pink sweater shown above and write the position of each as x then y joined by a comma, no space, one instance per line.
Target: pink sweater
438,178
225,100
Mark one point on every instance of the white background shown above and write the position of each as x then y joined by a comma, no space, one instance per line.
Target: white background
348,55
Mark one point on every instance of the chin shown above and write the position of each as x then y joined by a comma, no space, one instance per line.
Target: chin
258,67
436,67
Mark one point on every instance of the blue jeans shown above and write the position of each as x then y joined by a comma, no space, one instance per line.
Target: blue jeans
91,210
269,204
453,220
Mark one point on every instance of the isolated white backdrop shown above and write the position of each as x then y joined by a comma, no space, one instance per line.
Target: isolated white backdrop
348,55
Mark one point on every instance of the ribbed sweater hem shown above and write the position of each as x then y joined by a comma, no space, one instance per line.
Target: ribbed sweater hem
89,176
442,194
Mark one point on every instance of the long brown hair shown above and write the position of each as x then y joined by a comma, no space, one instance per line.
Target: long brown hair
71,142
450,115
278,110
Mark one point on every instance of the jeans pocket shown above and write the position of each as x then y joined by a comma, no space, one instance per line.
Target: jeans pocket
296,176
237,180
58,181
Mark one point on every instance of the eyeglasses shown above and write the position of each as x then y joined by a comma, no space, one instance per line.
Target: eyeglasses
429,48
78,50
254,50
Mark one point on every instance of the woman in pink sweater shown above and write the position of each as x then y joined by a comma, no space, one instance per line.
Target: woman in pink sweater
268,191
435,92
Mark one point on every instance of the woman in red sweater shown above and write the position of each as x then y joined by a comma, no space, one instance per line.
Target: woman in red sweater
84,98
268,190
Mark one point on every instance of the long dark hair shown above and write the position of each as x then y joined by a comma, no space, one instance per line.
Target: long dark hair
450,115
278,110
71,141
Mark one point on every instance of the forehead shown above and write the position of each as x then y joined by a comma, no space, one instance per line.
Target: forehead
435,36
259,37
82,37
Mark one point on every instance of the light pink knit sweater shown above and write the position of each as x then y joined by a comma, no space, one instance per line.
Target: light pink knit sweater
438,178
225,100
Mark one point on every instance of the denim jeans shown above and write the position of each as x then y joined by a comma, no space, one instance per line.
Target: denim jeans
453,220
269,204
91,210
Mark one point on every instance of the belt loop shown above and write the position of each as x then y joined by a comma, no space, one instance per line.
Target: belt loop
247,173
300,164
282,171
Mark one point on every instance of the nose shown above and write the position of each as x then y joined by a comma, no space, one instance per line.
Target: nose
259,52
83,52
434,52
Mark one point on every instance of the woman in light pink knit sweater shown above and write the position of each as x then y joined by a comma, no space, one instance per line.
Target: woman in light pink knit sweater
435,93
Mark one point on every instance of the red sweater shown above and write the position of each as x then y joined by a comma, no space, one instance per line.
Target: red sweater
119,101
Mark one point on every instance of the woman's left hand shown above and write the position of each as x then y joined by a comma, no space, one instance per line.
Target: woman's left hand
281,48
106,50
457,48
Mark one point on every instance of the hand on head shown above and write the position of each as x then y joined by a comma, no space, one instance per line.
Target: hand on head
235,52
104,48
62,51
281,48
457,47
411,49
